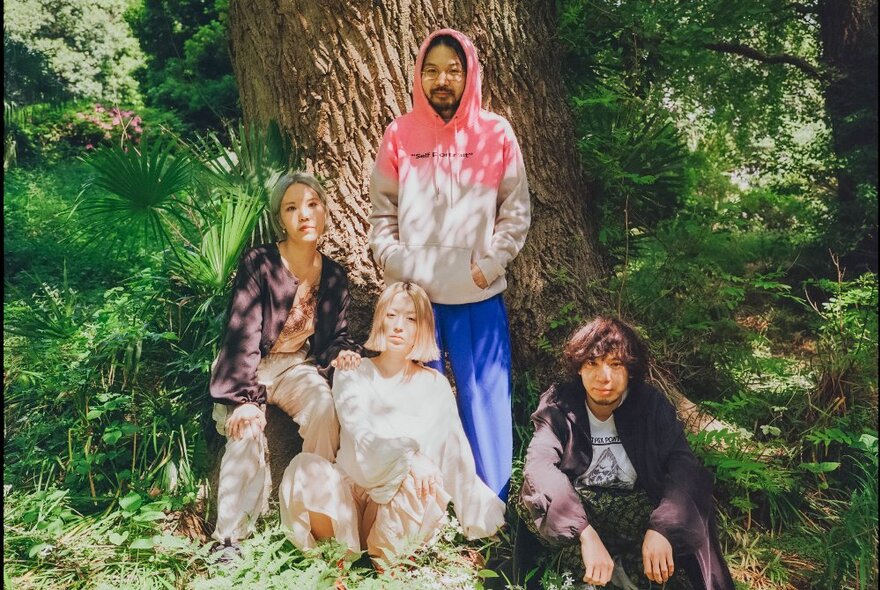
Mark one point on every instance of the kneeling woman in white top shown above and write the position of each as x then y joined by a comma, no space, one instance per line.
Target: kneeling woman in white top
403,453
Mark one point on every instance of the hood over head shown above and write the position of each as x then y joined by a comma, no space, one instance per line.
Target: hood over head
471,99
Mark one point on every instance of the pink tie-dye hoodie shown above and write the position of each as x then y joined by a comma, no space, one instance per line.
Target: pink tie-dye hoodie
448,194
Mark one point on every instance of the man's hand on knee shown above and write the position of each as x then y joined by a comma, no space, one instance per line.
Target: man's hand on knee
597,561
246,421
657,557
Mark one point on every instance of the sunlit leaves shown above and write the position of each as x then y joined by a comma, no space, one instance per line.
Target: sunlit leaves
210,268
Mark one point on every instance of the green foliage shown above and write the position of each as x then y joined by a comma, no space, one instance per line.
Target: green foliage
188,67
48,133
51,315
751,472
81,49
636,158
847,345
222,245
851,544
144,192
249,162
126,367
48,544
714,177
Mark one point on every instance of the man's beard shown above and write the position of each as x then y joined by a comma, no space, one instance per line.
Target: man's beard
446,106
605,401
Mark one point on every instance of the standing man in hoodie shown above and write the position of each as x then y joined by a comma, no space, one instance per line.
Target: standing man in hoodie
450,211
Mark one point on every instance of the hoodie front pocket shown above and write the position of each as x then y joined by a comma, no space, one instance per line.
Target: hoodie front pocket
442,271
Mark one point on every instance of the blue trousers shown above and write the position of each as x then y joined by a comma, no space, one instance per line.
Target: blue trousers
476,338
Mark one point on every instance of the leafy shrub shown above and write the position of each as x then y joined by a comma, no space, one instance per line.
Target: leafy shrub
850,544
50,133
847,347
109,125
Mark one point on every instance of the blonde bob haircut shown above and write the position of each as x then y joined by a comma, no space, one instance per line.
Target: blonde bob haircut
284,182
425,347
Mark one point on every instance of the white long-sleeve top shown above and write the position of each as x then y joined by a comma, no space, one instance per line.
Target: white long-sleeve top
385,422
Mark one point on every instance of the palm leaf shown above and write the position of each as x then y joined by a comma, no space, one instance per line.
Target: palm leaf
210,269
143,192
54,315
252,159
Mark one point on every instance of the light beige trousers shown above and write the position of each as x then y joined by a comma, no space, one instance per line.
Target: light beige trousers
294,385
314,484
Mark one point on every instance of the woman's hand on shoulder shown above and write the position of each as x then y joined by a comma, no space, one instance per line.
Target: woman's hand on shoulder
246,421
346,360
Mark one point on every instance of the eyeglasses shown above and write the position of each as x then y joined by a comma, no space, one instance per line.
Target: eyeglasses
432,73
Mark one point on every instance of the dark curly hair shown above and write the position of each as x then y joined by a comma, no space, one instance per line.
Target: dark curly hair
607,335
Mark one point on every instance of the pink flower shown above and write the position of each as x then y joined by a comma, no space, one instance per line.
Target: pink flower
89,146
116,120
137,129
99,108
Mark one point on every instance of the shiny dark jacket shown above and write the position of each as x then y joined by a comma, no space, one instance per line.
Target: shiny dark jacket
262,296
666,469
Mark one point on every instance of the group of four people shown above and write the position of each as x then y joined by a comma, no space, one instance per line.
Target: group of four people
390,445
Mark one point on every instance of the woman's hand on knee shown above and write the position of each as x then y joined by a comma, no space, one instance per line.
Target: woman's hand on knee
246,421
346,360
597,561
657,557
425,475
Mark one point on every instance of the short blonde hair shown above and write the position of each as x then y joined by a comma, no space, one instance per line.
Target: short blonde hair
425,347
285,182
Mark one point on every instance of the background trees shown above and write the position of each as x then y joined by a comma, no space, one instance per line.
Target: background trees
187,68
72,49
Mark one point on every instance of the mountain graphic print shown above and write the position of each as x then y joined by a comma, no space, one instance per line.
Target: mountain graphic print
606,473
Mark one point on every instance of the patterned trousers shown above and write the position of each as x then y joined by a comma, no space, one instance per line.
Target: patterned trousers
620,517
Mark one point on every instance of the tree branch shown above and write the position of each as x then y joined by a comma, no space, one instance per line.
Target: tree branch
779,58
804,9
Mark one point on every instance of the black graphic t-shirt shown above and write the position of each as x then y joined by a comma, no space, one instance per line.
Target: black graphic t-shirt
610,467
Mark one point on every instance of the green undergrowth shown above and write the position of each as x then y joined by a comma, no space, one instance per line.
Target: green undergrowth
49,544
107,446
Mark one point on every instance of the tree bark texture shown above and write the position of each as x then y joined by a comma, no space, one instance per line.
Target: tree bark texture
335,73
849,53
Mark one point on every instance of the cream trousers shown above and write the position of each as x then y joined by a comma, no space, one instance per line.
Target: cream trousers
312,484
294,385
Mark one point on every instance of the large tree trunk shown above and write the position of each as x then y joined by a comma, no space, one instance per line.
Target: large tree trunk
335,73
